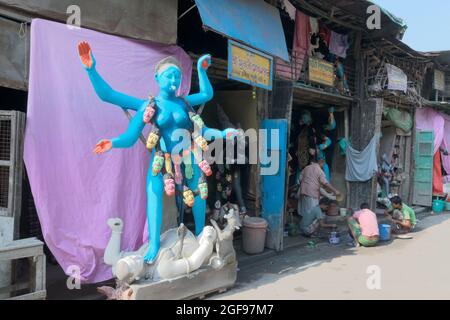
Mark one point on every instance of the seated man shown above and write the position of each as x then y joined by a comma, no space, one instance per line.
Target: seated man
314,218
403,217
363,227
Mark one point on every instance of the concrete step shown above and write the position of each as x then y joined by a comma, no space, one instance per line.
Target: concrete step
419,209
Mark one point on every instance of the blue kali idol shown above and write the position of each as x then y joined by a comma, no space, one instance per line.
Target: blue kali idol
166,112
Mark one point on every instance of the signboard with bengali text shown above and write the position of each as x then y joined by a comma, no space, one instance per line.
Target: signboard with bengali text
249,66
321,72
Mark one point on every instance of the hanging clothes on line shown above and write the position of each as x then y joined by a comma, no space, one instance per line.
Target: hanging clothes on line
362,165
325,34
300,47
290,9
339,44
314,23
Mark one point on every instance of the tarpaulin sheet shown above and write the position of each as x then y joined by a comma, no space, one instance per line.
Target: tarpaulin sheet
362,165
400,118
139,19
76,191
253,22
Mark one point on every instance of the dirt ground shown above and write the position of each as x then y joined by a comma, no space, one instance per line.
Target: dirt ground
417,268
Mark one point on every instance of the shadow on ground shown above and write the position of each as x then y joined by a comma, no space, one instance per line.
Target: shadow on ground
298,256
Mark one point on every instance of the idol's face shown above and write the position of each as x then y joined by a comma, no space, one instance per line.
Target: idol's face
169,80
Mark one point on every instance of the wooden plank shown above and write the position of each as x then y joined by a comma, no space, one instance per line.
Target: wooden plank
407,168
197,284
39,295
300,90
37,282
412,163
347,137
23,248
6,237
21,253
22,243
262,104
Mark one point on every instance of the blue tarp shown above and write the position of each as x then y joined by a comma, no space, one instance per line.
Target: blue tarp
253,22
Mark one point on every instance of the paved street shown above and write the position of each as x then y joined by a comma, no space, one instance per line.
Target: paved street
417,268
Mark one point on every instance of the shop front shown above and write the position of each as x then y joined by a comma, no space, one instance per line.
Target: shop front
243,43
322,72
395,156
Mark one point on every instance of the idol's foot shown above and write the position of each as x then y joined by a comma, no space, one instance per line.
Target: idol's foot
151,255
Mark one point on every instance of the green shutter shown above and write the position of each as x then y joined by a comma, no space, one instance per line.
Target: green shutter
423,173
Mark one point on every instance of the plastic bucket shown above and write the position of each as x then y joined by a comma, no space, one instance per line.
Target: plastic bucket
447,206
254,235
385,232
438,206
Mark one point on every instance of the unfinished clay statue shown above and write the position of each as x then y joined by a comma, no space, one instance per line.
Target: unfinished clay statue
225,253
181,253
182,256
122,291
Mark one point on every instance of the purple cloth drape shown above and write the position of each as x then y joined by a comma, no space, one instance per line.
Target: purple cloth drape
428,119
339,44
446,143
74,190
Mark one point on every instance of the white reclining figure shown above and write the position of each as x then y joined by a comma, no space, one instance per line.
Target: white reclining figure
180,254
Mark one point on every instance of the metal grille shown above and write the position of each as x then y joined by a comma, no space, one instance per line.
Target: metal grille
12,124
4,187
5,140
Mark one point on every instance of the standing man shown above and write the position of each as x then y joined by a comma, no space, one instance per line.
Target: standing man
312,178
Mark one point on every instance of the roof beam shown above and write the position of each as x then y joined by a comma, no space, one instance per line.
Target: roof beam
324,14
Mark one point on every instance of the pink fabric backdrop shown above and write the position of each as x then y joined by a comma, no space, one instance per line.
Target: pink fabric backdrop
446,141
430,119
74,190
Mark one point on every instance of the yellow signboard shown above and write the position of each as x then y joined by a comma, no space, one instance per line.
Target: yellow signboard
249,66
321,72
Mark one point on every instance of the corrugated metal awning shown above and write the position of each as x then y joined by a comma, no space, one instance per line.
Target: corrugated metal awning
253,22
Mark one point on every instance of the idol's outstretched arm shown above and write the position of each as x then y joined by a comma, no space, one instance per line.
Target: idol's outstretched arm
101,87
206,91
125,140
